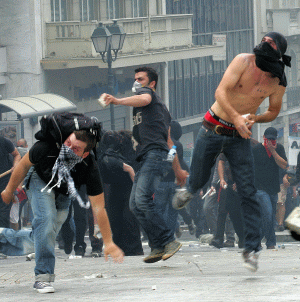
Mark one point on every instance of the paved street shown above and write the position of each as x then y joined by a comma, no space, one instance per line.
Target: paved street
198,272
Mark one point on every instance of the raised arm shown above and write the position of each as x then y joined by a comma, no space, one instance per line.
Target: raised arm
140,100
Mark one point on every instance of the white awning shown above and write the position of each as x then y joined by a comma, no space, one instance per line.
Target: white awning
36,105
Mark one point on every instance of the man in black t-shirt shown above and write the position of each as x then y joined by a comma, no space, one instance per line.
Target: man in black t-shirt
151,121
53,182
268,157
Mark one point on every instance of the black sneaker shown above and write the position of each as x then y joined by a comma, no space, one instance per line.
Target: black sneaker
43,287
79,251
216,243
68,247
155,255
96,252
170,249
181,198
250,260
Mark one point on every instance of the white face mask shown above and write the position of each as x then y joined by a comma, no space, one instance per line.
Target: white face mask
136,85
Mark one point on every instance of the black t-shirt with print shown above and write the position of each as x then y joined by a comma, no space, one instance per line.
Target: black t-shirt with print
43,155
266,169
150,124
6,163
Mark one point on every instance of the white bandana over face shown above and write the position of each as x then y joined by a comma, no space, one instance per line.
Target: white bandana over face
65,162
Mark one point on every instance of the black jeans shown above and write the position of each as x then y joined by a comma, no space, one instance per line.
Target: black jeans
229,203
124,225
83,218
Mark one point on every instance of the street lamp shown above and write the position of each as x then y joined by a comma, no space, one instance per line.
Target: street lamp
107,39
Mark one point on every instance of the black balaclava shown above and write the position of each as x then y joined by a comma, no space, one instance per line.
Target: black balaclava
270,60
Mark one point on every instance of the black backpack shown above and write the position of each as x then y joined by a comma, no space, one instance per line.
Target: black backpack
58,126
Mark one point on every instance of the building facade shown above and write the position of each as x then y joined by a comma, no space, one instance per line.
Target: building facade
46,47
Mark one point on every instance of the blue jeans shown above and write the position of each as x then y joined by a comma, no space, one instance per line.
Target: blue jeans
239,154
268,205
142,203
49,215
163,199
16,243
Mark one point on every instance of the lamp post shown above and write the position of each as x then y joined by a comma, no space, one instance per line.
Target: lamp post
108,39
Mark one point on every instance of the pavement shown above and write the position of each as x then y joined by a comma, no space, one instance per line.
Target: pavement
198,272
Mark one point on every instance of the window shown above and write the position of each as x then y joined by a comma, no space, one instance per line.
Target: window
294,17
58,10
88,10
139,8
113,9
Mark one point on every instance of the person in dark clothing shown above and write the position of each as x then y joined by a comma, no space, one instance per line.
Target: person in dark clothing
229,203
151,122
268,157
116,160
83,218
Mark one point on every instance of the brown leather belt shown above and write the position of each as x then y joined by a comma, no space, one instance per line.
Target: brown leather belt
220,130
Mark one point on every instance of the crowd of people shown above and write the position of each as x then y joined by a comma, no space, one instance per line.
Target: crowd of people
135,187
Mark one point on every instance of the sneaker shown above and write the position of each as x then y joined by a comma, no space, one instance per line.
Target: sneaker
229,243
171,248
155,255
43,287
216,243
181,198
68,246
250,260
96,253
191,228
79,251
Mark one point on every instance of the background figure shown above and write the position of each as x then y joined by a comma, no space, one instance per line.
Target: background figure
197,214
210,205
7,149
268,157
116,160
229,202
166,189
77,225
280,208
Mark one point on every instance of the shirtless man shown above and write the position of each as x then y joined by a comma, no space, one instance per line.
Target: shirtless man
248,80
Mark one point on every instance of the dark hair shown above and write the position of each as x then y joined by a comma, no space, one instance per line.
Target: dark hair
151,73
87,138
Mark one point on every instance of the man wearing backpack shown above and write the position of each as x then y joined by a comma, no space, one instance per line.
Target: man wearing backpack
53,168
151,126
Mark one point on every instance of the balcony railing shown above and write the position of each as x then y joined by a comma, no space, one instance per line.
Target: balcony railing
72,38
285,21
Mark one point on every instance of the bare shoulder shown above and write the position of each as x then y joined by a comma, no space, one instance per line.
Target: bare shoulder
244,59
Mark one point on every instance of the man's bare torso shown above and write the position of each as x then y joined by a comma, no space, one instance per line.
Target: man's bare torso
253,86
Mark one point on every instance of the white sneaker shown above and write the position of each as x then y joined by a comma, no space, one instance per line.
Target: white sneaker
43,287
251,260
